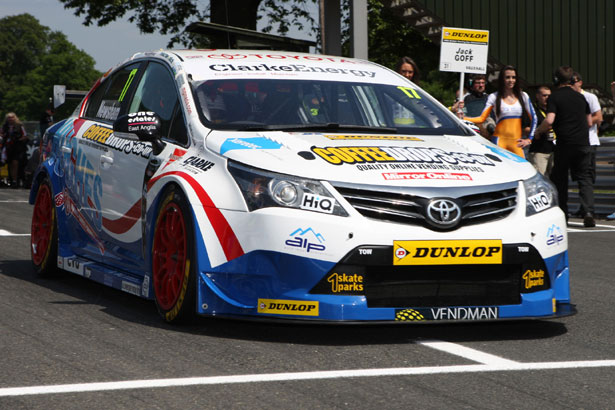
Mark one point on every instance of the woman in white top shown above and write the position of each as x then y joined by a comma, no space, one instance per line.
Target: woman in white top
509,103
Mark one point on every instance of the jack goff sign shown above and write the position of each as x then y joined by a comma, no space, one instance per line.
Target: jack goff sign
464,50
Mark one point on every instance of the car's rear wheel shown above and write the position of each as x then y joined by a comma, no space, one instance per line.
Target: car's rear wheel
44,231
173,264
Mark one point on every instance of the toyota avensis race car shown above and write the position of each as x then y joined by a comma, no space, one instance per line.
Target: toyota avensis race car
282,185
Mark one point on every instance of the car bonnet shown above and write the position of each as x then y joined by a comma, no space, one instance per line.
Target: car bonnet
387,159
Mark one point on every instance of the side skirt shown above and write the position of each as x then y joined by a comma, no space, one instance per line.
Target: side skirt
135,285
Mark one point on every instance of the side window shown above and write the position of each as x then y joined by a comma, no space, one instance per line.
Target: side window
408,109
178,128
347,112
402,116
94,100
370,105
156,92
106,102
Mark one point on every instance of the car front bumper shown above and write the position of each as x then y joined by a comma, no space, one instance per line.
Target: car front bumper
281,277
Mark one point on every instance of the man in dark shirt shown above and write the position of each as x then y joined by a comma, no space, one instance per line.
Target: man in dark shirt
569,115
475,101
541,151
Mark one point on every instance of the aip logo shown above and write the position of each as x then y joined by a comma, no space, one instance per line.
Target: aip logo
554,235
306,239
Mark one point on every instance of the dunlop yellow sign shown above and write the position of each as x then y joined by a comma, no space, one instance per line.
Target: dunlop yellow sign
288,307
465,35
461,252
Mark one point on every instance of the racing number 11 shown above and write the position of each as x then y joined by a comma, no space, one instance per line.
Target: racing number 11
410,92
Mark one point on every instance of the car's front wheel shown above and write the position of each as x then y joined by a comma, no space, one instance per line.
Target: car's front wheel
44,231
173,262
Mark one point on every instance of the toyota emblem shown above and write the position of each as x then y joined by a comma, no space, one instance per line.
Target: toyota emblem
443,213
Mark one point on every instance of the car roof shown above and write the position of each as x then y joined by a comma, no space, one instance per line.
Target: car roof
210,63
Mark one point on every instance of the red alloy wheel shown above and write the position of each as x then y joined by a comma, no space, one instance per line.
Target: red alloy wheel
169,256
42,225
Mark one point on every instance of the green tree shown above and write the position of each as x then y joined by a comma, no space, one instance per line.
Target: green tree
32,59
391,38
172,16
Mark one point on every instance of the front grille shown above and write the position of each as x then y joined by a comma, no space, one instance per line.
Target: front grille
408,206
440,286
369,271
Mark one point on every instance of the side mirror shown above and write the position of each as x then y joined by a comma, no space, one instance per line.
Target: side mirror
144,124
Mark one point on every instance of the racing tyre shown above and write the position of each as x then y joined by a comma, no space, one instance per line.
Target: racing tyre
44,231
173,262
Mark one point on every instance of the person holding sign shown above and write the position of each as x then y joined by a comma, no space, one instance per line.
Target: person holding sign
510,105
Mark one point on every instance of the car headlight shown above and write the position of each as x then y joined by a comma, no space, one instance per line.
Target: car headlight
540,194
263,189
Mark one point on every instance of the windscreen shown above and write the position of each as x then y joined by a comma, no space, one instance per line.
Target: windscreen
250,104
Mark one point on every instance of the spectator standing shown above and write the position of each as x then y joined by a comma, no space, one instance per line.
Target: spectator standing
32,162
596,112
612,216
408,68
46,120
541,151
475,101
15,143
509,103
568,113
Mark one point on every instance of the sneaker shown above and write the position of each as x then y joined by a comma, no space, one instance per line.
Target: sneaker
611,216
588,220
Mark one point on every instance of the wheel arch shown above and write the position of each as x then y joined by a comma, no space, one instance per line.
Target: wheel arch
44,170
154,198
165,194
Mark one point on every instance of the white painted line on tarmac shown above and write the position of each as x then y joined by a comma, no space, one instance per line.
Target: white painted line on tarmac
590,230
14,200
4,232
319,375
467,353
608,228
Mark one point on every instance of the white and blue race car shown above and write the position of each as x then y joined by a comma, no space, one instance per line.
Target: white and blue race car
280,185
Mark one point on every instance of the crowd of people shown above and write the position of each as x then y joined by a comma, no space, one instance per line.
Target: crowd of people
558,133
14,143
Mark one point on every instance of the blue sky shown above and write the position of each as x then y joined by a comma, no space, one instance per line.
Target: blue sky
108,45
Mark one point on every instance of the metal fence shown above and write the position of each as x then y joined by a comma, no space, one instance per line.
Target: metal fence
604,188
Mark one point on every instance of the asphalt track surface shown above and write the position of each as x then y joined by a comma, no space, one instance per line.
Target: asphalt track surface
68,343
